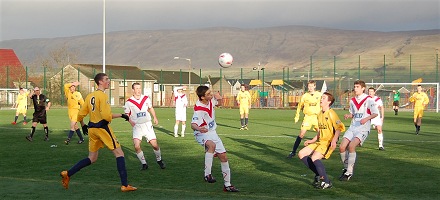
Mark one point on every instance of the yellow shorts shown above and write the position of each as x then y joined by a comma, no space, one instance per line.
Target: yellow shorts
418,112
21,110
309,121
323,147
73,114
98,137
244,110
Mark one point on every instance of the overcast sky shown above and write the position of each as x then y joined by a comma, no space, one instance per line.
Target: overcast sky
23,19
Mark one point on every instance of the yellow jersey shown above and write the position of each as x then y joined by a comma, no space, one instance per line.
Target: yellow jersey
74,100
419,99
310,103
96,104
328,123
244,98
22,100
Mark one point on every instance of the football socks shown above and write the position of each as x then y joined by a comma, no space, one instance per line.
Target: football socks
226,173
120,162
78,166
351,161
141,157
209,157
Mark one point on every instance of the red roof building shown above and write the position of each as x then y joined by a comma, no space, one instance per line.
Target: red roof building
11,69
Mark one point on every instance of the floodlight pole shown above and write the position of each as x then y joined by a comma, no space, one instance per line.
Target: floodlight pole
103,37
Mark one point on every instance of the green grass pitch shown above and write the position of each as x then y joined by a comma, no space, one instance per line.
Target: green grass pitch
409,168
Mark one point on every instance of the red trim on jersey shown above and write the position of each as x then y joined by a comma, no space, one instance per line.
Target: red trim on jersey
358,105
203,124
201,108
139,105
377,99
176,97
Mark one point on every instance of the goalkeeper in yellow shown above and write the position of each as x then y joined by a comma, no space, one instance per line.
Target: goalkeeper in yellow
244,101
324,143
21,105
310,104
420,100
74,102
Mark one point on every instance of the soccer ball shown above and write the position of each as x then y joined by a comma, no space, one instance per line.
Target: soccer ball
225,60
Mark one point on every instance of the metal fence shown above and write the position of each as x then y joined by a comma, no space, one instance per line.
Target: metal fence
339,73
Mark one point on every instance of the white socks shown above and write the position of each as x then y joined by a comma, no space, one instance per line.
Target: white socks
209,157
176,129
350,163
158,155
380,138
183,130
344,160
141,157
226,173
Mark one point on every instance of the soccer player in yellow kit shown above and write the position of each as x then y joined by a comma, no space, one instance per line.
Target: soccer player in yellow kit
100,133
310,104
324,143
420,100
21,105
74,102
244,101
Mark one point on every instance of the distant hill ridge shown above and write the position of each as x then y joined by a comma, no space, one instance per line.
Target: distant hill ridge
274,47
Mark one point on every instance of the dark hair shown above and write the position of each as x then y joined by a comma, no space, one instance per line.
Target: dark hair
312,82
330,98
132,86
99,77
201,91
21,88
419,85
372,88
360,82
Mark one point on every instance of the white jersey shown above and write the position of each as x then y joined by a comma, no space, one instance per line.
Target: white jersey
181,102
204,115
377,120
180,99
137,109
361,107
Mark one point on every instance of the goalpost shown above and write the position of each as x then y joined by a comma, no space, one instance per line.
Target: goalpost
385,90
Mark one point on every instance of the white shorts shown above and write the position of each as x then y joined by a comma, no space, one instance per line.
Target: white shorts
362,135
201,138
376,121
181,114
144,130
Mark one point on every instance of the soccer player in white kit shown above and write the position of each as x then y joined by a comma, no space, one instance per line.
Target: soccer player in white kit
362,110
138,108
204,126
377,122
181,104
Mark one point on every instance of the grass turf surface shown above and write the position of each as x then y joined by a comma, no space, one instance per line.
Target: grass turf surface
407,169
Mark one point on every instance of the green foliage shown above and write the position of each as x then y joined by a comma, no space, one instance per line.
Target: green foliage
407,169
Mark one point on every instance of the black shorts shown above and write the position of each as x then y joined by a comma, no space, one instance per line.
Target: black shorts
40,117
395,103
